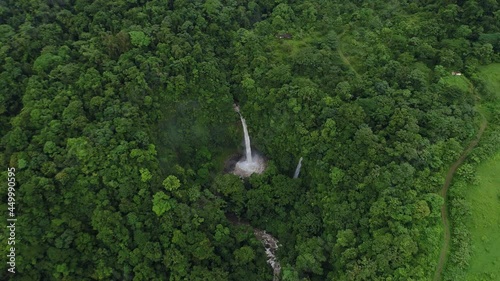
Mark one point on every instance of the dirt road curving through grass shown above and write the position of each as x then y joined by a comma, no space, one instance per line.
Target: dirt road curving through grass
444,191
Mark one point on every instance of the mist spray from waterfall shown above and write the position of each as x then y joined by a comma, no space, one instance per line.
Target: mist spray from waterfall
297,170
251,163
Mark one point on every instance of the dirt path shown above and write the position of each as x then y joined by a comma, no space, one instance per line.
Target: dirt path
444,191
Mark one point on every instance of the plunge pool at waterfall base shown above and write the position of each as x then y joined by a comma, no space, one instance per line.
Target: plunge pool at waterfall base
245,168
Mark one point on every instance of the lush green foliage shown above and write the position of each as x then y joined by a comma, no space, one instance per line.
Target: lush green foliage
116,115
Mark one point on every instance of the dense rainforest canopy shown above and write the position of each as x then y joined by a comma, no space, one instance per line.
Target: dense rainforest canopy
117,116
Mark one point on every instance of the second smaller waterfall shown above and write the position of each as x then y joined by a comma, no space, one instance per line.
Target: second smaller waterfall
297,170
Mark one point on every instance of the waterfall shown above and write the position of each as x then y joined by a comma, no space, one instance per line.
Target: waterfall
247,140
297,170
250,163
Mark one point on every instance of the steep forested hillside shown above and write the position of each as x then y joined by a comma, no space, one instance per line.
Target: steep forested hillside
117,116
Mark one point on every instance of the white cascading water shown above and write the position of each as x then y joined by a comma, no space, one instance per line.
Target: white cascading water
251,163
271,245
248,148
297,170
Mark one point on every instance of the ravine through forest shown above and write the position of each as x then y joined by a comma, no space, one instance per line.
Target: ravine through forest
444,192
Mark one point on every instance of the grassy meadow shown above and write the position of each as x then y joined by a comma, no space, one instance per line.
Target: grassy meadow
484,226
484,199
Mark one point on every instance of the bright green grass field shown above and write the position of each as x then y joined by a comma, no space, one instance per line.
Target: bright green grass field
484,227
459,81
491,75
484,200
290,47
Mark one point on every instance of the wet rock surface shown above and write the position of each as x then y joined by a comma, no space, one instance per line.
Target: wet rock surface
270,244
